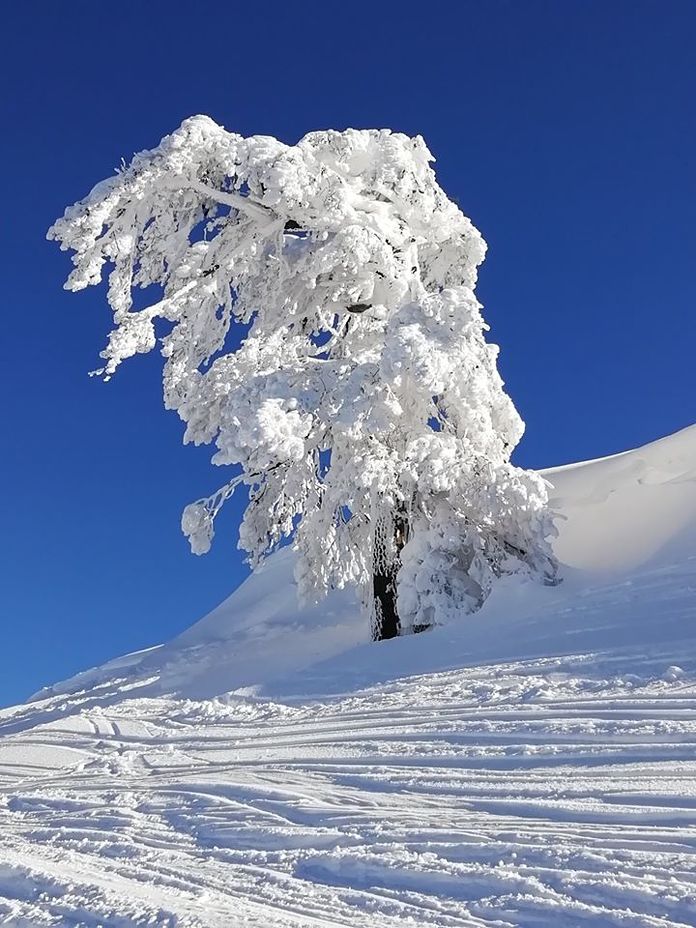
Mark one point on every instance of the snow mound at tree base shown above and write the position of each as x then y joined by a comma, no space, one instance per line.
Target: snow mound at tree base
625,521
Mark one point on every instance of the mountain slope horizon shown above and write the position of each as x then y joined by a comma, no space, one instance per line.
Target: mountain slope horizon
616,515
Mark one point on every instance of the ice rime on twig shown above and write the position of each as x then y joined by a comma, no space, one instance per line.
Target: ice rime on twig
363,386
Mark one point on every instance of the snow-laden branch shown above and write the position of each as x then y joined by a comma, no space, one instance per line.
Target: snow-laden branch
235,200
198,518
324,334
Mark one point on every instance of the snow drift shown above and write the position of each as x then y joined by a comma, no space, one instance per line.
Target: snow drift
631,510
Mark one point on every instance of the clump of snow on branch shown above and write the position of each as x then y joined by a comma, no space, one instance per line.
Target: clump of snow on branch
324,334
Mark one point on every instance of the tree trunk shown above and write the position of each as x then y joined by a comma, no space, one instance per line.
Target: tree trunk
386,621
391,533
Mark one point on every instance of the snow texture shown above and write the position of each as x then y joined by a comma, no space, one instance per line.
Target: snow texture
532,765
323,333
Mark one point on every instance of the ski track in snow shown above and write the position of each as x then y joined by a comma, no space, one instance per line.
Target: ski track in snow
547,791
533,767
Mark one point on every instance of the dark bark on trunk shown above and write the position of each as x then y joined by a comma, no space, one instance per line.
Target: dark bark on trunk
391,534
387,623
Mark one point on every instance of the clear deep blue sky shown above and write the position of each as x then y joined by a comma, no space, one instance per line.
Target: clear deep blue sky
564,129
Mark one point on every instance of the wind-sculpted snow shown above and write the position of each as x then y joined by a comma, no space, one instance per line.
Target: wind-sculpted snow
629,510
533,765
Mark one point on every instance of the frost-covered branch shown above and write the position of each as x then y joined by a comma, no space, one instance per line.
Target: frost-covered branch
233,199
363,402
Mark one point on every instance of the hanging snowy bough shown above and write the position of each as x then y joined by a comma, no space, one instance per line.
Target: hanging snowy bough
325,335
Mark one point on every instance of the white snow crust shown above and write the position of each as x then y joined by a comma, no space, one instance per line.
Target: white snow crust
531,765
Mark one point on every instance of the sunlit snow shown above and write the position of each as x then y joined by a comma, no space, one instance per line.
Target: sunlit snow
532,765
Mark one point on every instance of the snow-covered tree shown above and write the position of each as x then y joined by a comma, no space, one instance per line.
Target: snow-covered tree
324,334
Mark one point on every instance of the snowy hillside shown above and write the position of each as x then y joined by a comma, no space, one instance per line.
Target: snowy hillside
531,765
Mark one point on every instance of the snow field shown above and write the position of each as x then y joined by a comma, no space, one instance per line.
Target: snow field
532,766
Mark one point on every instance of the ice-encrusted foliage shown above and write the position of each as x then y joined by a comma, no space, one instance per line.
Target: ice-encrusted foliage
325,335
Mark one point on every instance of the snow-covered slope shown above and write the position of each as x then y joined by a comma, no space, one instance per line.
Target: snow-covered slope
533,765
629,511
617,516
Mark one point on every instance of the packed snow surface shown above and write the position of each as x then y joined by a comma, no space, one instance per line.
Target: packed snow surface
531,765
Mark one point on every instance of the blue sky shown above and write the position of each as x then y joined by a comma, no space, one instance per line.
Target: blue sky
564,129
